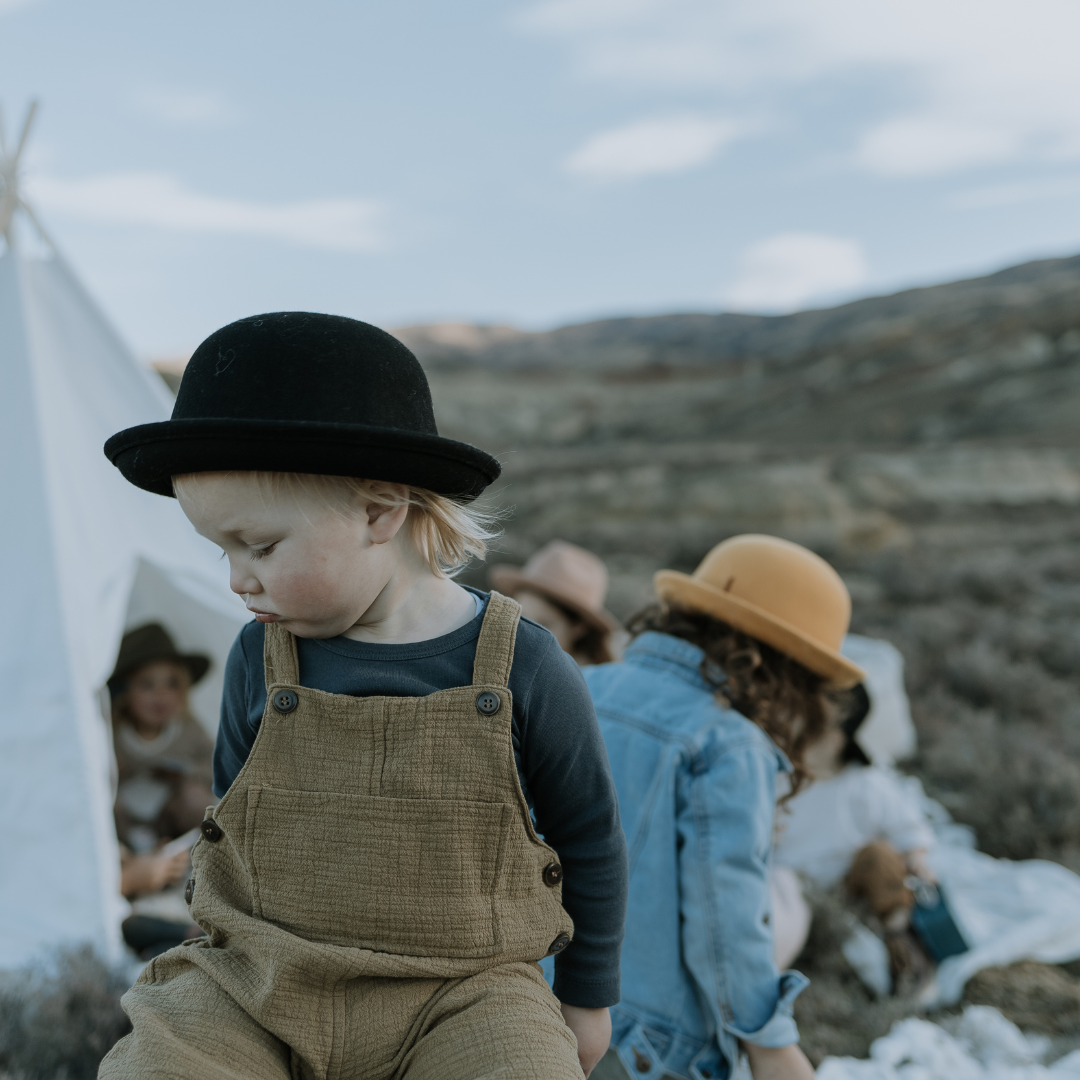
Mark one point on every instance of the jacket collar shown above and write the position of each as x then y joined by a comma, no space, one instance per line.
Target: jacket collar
683,659
655,650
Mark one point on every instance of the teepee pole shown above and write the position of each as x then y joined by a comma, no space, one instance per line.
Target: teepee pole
35,221
31,112
10,199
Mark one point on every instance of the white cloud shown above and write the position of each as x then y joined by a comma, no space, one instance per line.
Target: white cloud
985,81
1021,191
161,201
783,272
921,146
670,144
187,108
563,16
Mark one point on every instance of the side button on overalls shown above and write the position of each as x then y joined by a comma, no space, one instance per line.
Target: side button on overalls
374,894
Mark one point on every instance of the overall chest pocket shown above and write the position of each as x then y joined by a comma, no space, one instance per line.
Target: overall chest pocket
407,876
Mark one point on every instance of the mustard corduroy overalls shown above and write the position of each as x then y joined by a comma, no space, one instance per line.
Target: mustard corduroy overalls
374,895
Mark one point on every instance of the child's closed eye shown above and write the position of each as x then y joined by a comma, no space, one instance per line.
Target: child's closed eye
262,552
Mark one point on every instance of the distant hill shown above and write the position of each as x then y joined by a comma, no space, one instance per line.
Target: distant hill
995,358
1041,296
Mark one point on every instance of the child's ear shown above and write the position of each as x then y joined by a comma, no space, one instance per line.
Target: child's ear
384,522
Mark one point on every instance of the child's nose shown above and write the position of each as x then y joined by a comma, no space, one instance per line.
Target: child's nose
242,581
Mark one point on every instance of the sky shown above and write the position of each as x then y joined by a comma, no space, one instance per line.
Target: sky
538,162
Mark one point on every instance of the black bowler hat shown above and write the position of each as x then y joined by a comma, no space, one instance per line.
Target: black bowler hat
295,391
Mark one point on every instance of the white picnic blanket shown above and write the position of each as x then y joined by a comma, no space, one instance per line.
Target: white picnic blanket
1007,911
980,1045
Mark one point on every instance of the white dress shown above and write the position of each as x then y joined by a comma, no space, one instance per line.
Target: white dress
822,828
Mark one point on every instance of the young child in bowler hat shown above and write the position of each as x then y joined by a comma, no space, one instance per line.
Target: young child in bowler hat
723,689
416,805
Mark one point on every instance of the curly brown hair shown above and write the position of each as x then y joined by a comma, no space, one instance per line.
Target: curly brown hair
788,701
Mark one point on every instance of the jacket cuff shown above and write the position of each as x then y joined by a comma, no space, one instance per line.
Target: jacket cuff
780,1029
586,993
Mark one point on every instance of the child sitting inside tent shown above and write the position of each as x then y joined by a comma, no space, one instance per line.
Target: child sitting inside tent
163,756
163,761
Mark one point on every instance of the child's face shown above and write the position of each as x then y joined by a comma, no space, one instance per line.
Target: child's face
156,693
293,559
823,758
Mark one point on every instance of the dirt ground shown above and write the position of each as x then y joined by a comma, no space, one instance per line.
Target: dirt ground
838,1016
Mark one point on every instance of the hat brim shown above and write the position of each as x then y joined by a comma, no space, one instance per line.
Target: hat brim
150,455
507,579
681,589
196,664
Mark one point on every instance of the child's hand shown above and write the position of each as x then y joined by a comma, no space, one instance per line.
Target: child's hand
141,875
593,1030
917,864
785,1063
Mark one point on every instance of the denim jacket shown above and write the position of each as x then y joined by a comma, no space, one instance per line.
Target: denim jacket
697,794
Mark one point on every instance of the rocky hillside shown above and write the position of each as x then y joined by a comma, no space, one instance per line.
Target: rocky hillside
994,357
928,442
853,428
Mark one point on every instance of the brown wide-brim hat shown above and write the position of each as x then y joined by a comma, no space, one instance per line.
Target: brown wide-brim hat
776,591
149,644
566,574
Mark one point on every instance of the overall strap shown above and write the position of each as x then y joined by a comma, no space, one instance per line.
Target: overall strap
279,656
495,647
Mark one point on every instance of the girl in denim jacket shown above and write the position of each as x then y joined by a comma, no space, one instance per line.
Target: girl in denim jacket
723,688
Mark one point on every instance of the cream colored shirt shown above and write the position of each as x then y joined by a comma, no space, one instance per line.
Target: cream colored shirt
823,827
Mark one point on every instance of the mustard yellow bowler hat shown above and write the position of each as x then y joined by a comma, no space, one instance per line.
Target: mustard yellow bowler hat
775,591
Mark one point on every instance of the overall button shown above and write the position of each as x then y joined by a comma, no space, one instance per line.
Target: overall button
558,944
189,890
284,701
552,875
211,830
488,703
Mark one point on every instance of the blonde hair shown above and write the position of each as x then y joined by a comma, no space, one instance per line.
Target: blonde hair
446,532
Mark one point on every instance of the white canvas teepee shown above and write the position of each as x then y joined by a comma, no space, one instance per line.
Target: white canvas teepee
83,556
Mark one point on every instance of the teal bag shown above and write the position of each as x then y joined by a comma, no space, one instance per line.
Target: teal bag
934,924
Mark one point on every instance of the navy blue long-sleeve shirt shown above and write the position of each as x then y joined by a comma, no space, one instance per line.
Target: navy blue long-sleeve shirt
558,749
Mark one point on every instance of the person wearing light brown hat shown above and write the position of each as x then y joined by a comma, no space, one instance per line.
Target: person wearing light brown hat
163,755
562,587
163,759
724,687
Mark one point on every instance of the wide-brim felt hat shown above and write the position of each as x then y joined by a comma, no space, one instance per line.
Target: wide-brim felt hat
148,644
298,391
565,573
777,592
